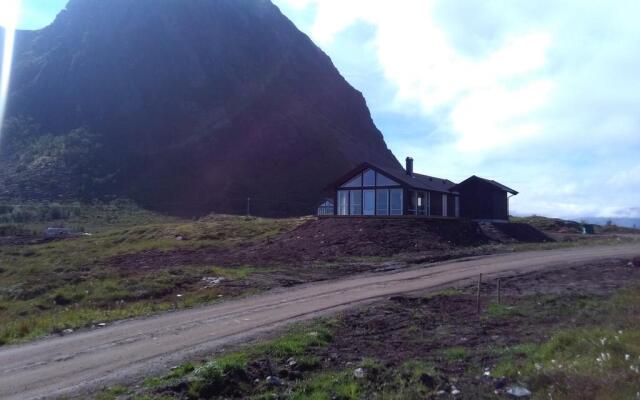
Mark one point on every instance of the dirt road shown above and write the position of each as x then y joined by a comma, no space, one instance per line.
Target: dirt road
79,362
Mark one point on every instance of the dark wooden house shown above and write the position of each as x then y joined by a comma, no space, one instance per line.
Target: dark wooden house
484,199
369,190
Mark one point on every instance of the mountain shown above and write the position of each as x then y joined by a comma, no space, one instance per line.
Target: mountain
626,222
184,106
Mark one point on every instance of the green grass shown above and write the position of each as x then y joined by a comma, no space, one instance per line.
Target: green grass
71,283
495,310
455,353
597,361
210,378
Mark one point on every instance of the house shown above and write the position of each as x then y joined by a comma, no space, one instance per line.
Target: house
484,199
370,190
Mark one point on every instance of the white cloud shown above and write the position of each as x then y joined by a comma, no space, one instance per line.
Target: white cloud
541,95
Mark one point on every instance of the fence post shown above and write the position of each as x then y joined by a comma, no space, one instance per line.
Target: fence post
248,206
478,294
499,290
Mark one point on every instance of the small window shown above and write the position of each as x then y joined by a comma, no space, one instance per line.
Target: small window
444,205
369,178
326,208
457,200
382,180
354,182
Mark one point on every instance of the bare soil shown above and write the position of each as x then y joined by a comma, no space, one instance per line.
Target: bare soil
123,351
423,327
331,239
450,320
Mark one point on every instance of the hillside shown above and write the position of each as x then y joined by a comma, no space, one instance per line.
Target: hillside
186,107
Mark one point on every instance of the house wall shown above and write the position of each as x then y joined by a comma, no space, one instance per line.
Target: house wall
408,198
479,200
436,204
451,206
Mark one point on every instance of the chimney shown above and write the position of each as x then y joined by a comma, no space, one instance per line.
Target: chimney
409,166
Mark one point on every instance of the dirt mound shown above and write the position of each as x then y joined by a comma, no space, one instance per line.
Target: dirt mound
331,238
522,232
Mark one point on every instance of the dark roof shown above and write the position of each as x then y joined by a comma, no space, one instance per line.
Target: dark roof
423,182
416,181
488,181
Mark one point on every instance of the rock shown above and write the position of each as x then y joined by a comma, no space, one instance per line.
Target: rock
179,237
295,375
292,362
67,331
273,381
358,373
102,324
518,391
428,381
179,386
500,383
210,281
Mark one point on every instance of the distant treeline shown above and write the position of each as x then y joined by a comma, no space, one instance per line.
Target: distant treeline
52,211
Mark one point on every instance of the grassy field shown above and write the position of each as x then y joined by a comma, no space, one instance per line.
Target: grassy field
556,343
53,286
50,286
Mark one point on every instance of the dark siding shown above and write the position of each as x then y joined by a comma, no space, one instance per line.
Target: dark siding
451,206
482,201
406,200
436,204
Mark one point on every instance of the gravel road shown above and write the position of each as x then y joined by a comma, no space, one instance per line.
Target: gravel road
80,362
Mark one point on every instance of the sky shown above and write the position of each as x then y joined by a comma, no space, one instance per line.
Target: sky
542,96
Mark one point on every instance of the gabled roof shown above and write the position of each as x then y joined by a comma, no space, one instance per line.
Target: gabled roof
487,181
416,181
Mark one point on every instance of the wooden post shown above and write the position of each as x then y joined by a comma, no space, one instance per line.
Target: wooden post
248,206
499,295
478,294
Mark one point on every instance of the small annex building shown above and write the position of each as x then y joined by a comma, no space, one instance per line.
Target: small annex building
370,190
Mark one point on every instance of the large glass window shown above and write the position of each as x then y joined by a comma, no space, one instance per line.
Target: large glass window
395,201
343,202
369,178
355,182
355,202
382,180
382,202
369,202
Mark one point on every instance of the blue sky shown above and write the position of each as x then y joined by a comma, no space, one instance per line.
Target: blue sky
542,96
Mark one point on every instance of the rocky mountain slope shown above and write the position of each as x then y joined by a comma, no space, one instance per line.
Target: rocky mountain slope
186,107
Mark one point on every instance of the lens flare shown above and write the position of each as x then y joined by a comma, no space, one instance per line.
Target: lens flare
9,13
